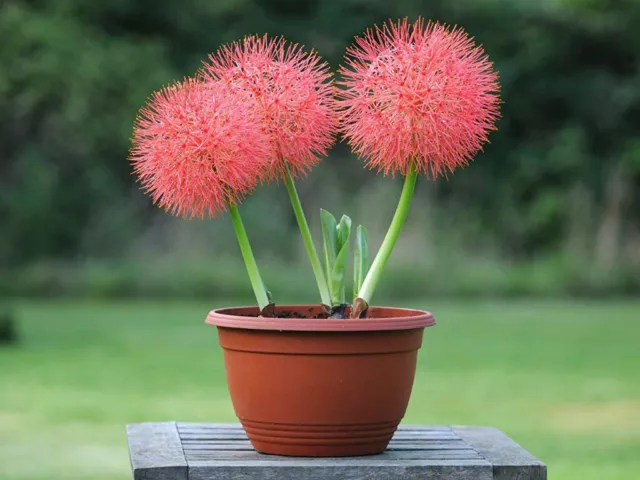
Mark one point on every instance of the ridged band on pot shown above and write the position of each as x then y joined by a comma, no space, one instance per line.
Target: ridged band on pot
320,387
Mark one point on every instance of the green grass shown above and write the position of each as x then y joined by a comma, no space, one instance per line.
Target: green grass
562,378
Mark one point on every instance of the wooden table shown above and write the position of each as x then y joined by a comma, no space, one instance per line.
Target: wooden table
206,451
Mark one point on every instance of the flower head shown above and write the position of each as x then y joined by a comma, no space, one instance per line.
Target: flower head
198,148
416,94
294,91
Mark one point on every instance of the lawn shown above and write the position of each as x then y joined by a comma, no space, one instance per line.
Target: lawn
560,377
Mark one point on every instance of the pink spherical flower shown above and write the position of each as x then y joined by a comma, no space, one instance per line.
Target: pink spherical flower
418,94
198,148
294,91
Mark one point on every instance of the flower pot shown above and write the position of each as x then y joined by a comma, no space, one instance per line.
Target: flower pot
320,387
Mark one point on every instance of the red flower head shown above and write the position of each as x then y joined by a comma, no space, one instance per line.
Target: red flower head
416,93
198,148
294,91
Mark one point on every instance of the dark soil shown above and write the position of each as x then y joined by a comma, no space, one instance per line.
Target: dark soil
338,312
296,315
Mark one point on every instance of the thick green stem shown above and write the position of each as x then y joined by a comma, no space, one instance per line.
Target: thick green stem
316,265
249,260
375,272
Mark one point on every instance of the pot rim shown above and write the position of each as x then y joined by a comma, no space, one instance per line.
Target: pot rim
406,319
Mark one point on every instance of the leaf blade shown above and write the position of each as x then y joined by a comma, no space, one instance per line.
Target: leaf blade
330,244
339,272
343,231
361,259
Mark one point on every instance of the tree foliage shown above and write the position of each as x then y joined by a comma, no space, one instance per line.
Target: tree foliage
561,175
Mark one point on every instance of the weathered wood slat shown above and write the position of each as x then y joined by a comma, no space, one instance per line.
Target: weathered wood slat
397,437
156,452
216,438
242,456
402,470
396,441
237,427
510,461
214,457
369,461
459,445
213,445
398,434
401,433
228,450
243,438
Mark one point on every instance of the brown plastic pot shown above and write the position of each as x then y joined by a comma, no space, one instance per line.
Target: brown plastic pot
318,387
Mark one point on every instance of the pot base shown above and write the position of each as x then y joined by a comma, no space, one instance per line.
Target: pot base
320,441
320,451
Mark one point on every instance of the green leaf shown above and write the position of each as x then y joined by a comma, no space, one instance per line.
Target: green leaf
344,230
339,272
330,243
360,259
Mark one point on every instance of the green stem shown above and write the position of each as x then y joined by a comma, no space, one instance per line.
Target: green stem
316,265
375,272
249,260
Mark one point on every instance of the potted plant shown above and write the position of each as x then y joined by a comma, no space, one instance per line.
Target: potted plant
331,379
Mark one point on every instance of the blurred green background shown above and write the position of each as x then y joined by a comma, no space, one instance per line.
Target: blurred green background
530,258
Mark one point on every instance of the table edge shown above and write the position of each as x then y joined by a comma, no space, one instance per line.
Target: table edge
155,451
507,457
